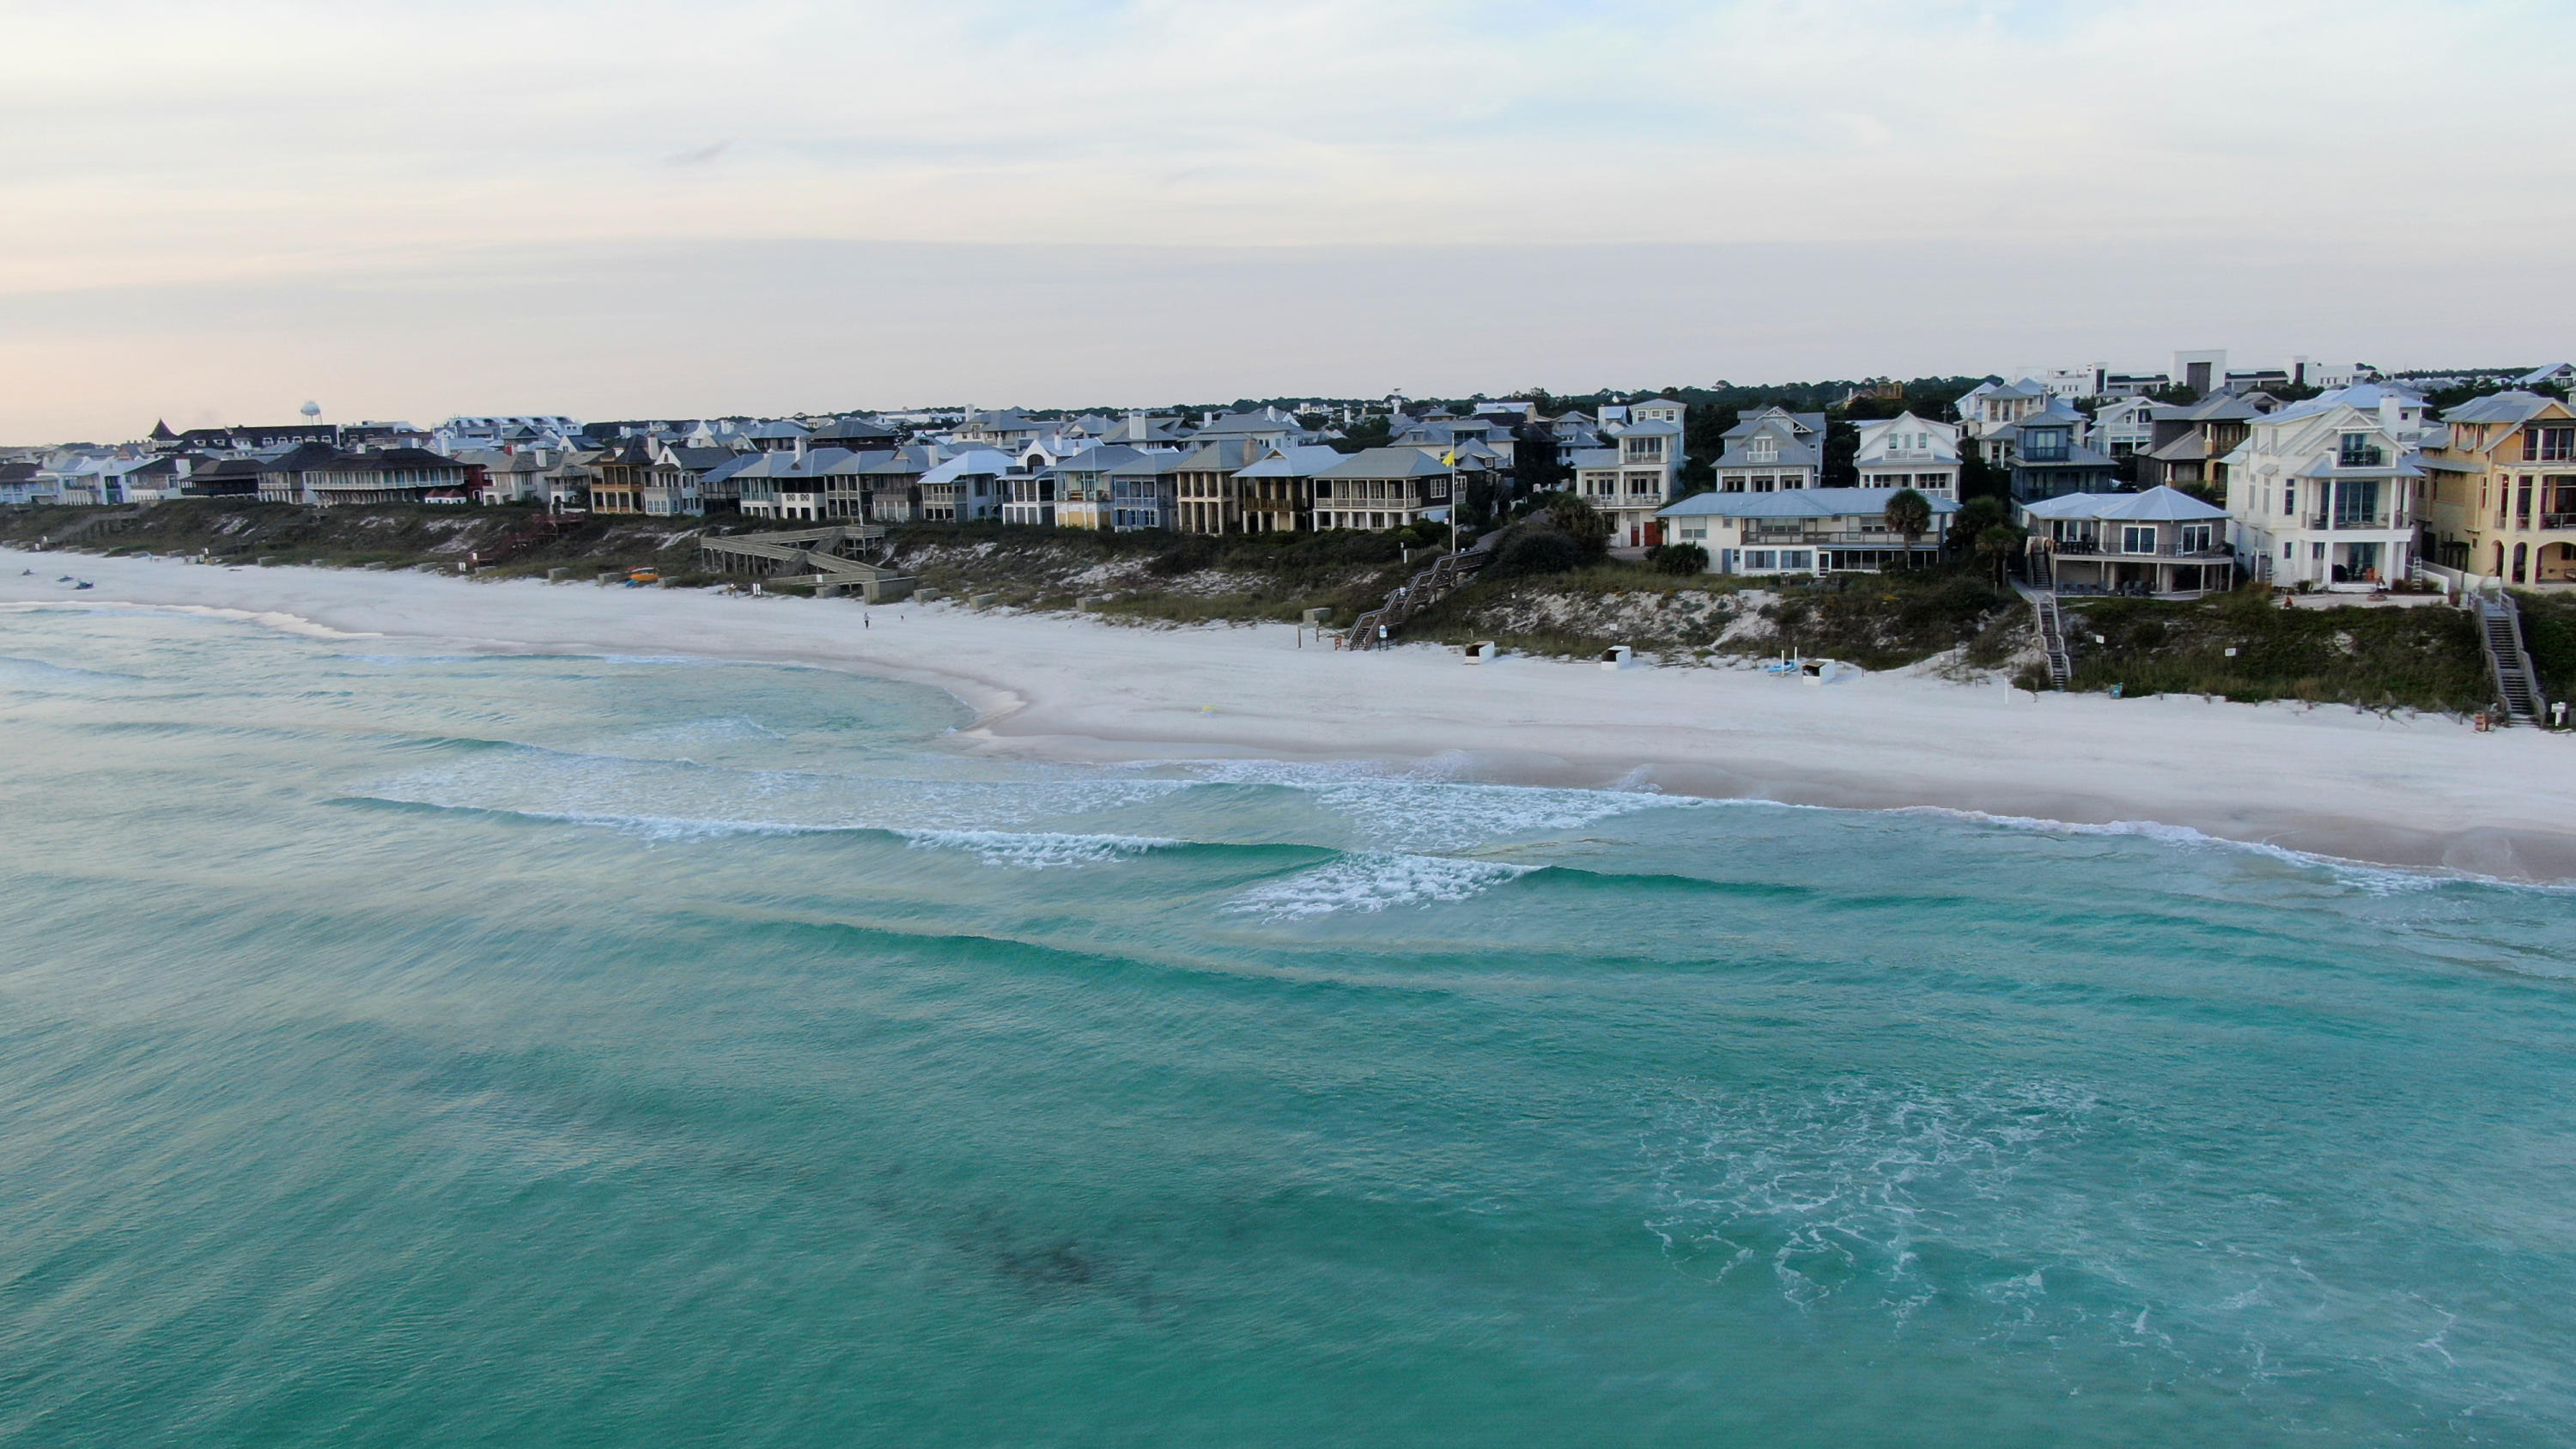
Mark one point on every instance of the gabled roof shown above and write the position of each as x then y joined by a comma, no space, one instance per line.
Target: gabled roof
1098,458
1796,503
1294,462
971,463
1651,428
2218,407
2156,505
1594,458
1388,463
781,428
2504,407
1223,455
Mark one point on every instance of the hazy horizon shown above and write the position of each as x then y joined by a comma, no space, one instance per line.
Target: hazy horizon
674,209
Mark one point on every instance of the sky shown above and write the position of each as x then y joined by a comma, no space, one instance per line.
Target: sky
655,208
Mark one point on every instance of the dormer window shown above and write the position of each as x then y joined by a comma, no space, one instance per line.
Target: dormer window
2044,445
1763,450
2360,450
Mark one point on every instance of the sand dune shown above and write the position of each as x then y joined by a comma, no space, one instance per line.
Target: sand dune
2402,789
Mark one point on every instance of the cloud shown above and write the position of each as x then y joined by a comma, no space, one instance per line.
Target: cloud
154,145
699,157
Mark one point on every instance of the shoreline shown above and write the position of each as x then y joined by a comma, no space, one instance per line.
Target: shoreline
2408,790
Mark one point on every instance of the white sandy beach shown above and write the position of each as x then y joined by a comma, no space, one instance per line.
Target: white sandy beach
2405,789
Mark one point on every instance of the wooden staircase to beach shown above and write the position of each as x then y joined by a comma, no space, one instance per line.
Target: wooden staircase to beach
2051,627
2500,635
83,527
1445,576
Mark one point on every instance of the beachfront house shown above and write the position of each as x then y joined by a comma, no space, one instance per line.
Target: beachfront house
2160,542
1205,486
325,477
1030,498
965,488
890,491
1384,488
1143,491
2501,489
1277,493
1803,531
1082,486
1909,452
2327,492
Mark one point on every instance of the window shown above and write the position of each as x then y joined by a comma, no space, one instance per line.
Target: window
2548,445
1761,558
1763,450
2289,499
2360,450
2138,538
2044,445
2194,538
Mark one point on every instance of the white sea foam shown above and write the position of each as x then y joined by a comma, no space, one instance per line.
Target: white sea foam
1039,850
1423,809
2362,875
1373,881
284,623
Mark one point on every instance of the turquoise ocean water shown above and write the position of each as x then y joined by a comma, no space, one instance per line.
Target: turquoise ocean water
399,1048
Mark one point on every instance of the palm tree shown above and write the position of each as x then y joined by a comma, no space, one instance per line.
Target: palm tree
1996,546
1910,514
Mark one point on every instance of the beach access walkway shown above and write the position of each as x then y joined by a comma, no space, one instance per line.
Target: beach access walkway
823,558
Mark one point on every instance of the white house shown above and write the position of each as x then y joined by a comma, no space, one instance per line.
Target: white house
1802,531
1990,411
2125,425
1773,451
1910,452
2328,491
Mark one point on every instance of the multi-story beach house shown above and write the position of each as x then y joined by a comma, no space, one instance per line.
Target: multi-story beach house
326,477
1277,493
1143,492
2326,492
1205,486
891,490
2159,542
1029,497
2191,443
1803,531
1082,486
2501,489
1909,452
965,488
1382,488
1771,451
1990,411
2124,425
2048,456
622,476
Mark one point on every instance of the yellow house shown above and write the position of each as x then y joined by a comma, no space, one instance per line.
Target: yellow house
2504,490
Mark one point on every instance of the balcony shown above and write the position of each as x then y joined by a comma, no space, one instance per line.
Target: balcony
1834,538
2349,522
2558,520
2087,549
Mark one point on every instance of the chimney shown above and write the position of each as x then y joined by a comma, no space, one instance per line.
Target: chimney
2388,418
800,448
